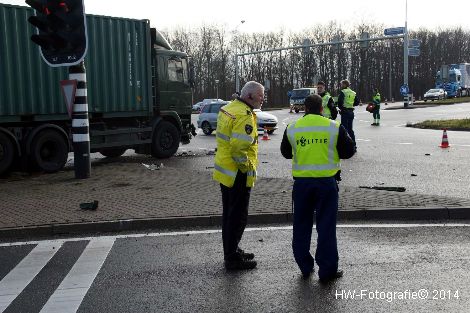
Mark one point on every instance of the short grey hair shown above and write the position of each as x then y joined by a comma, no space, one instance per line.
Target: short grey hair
251,87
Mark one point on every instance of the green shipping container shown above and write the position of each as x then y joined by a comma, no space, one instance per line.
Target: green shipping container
118,66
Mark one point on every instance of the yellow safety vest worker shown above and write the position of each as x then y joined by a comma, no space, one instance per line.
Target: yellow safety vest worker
313,139
376,99
237,144
326,110
349,97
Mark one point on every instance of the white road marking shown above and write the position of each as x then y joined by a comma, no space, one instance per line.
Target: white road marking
20,277
69,295
403,143
358,139
214,231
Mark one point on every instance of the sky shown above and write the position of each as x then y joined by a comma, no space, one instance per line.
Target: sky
295,16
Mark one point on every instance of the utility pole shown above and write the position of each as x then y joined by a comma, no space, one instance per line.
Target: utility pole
405,56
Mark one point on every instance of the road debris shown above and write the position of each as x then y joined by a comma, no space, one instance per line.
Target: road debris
397,189
153,167
89,205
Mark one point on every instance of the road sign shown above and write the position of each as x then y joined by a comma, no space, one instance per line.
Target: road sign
404,90
413,52
69,88
414,43
394,31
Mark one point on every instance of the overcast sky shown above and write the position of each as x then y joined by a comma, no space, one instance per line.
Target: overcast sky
265,16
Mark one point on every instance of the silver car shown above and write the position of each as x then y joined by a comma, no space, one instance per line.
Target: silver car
435,94
207,120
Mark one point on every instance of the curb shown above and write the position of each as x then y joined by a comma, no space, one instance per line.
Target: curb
172,223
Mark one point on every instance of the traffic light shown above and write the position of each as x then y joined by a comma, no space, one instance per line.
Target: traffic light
61,28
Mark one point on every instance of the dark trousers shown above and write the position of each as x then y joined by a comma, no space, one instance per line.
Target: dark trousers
376,112
317,196
347,118
235,201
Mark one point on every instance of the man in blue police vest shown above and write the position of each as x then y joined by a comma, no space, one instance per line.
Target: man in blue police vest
316,144
347,100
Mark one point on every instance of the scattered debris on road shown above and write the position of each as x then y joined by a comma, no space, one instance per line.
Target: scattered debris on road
153,167
89,205
397,189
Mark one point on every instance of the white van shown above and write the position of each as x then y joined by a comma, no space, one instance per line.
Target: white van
298,96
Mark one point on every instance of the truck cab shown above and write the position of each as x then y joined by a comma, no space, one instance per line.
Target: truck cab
298,96
172,83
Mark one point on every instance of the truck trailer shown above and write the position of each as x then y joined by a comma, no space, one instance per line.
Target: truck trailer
138,89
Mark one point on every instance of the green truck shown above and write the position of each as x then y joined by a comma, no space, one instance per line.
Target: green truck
138,88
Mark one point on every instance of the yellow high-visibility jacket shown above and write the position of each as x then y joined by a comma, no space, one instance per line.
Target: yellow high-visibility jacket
237,143
313,139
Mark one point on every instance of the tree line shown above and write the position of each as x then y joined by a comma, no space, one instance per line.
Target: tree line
212,49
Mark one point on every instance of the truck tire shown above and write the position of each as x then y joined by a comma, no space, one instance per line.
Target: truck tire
166,140
296,110
49,151
113,152
7,153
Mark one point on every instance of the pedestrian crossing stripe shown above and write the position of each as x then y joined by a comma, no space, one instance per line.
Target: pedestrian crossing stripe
20,277
70,293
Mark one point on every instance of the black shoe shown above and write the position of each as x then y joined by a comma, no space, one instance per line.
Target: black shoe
240,264
373,124
245,255
332,277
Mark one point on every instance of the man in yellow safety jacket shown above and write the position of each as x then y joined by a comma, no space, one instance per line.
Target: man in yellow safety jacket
329,108
235,169
347,100
376,99
316,144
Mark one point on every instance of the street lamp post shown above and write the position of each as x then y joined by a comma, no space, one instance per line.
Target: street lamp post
237,80
217,87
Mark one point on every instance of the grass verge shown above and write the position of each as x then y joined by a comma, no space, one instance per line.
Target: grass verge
457,124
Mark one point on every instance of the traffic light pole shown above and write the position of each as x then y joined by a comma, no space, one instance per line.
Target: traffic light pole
80,123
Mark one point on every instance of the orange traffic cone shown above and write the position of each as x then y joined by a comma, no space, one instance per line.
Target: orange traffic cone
265,134
445,141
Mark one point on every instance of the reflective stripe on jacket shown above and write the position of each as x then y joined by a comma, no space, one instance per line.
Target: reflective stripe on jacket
237,144
313,139
349,97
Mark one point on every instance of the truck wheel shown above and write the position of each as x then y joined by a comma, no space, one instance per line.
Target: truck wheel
296,110
166,140
270,132
49,151
206,128
113,152
7,153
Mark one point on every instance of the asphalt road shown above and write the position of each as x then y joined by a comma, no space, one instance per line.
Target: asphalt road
388,268
391,155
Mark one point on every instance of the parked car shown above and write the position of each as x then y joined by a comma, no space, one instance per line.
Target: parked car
207,120
267,120
435,94
198,106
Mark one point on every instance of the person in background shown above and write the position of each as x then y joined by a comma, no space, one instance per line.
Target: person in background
329,108
376,99
347,100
